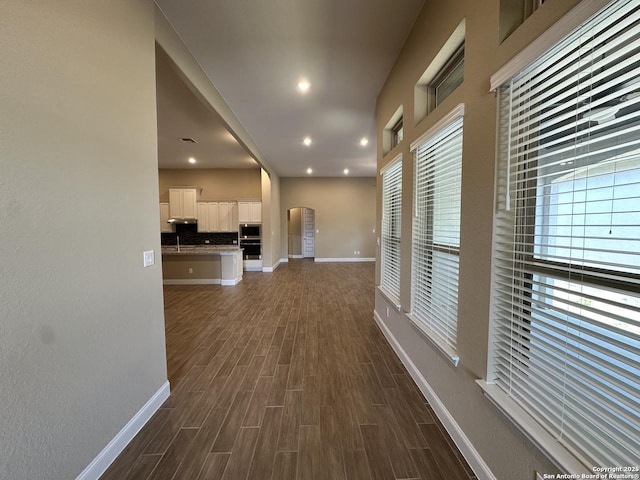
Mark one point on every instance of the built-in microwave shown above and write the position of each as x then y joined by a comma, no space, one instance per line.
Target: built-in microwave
249,230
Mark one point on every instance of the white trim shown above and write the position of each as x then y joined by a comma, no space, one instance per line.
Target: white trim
458,111
471,455
296,256
228,283
194,281
109,453
272,268
563,27
353,259
397,158
390,297
531,429
284,260
445,350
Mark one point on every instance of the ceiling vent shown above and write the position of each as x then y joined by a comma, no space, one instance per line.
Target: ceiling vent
188,140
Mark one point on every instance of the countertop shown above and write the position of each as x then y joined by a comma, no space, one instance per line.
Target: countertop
201,250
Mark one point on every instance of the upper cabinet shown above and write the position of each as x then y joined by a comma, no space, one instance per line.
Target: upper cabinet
165,226
249,212
217,217
182,203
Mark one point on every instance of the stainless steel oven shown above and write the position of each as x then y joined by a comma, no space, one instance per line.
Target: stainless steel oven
249,230
252,248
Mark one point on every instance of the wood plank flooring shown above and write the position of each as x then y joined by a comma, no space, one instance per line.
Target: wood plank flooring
286,376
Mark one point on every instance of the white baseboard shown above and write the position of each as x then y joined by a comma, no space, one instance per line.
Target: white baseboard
193,281
296,256
284,260
106,457
476,462
271,269
352,259
232,282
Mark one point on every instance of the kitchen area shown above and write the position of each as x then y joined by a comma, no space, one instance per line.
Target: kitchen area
207,240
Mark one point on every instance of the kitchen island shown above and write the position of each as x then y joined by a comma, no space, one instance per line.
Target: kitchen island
202,265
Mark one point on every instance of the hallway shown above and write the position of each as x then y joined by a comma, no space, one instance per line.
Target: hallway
286,376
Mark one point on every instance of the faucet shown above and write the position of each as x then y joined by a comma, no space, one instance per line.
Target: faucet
178,242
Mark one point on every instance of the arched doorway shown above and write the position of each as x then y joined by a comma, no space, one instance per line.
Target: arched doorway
301,232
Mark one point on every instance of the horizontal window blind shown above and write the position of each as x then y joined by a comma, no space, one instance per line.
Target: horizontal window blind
436,233
566,290
391,229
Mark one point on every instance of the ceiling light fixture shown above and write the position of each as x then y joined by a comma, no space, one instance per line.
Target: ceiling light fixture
192,160
309,171
364,141
346,171
307,141
303,86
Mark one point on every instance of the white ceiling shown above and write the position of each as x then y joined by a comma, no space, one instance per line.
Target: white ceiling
255,52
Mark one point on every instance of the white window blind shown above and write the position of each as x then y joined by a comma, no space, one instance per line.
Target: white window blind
436,235
566,290
391,230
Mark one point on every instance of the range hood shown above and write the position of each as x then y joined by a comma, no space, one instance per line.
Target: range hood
182,221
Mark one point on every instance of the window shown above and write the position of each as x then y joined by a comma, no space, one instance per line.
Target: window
443,75
391,230
566,291
397,133
449,78
436,233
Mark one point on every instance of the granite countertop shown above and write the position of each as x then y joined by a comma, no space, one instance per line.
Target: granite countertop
200,250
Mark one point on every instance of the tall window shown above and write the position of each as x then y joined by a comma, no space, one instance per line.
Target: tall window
566,299
391,228
436,234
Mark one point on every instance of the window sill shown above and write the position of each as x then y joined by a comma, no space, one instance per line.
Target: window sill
445,350
390,297
542,439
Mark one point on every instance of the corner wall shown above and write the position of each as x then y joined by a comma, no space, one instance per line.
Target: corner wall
82,332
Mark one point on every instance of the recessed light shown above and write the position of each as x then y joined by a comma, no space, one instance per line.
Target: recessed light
364,141
307,141
192,160
346,171
309,171
303,86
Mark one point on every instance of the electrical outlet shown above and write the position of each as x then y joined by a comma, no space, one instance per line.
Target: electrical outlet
148,258
206,241
190,270
387,312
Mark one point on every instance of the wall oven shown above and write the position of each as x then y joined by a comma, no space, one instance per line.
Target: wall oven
249,230
251,248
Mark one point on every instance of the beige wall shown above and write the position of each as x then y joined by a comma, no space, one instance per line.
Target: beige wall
508,454
82,326
295,232
216,184
345,214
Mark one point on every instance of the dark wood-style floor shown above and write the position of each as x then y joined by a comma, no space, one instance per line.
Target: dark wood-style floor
287,376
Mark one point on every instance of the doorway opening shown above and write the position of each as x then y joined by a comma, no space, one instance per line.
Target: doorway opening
301,232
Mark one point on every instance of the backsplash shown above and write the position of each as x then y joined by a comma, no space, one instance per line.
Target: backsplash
189,236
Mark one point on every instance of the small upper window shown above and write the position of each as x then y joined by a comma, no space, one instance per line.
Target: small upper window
450,77
397,133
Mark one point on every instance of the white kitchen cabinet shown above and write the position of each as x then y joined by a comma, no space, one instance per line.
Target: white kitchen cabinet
249,212
217,217
182,203
165,227
228,216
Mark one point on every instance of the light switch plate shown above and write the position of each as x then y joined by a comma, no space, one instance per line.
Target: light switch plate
149,258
